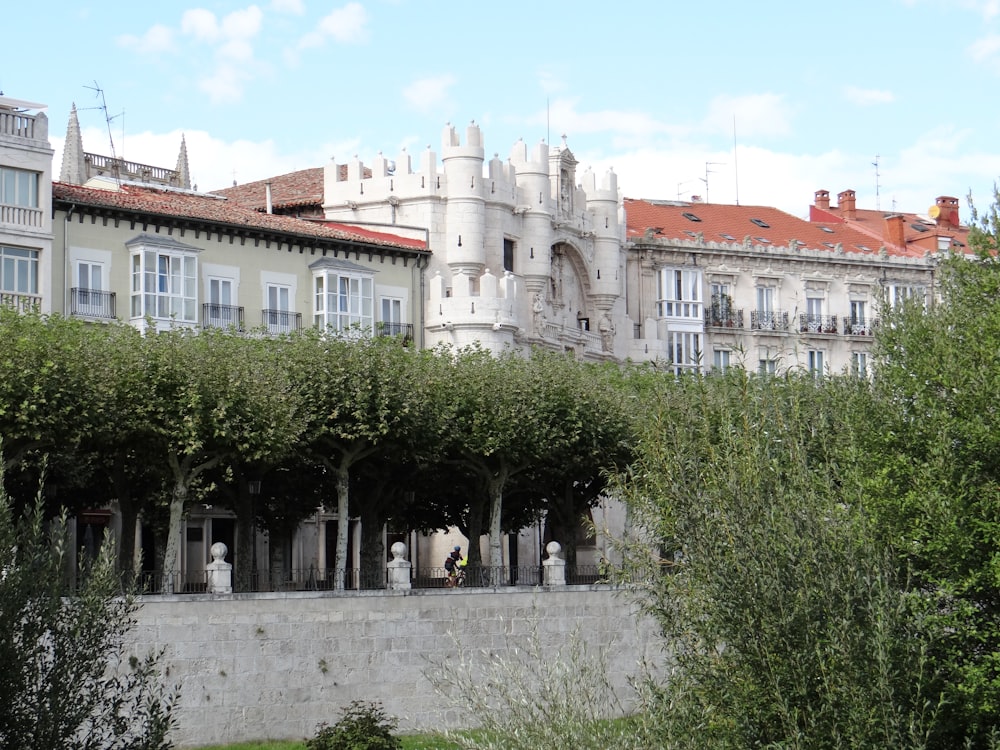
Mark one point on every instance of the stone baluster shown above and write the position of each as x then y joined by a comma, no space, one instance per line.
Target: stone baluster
220,573
554,567
398,568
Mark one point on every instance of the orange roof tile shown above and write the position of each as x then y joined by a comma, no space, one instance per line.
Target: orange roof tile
301,188
177,204
763,225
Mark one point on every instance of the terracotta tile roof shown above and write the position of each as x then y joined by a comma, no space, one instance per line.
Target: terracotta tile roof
302,188
760,225
918,230
177,204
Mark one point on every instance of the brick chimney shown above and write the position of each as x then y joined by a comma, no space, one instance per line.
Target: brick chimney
894,230
947,212
822,199
845,202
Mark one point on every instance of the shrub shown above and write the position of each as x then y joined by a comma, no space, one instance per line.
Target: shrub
364,726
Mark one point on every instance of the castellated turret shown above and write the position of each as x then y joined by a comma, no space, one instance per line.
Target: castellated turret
521,254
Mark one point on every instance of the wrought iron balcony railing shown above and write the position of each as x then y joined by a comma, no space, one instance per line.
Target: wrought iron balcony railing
723,318
817,323
281,321
92,303
404,330
768,320
214,315
855,326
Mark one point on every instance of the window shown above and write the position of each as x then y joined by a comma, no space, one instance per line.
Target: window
720,359
163,284
18,187
899,293
18,270
814,314
859,364
680,294
765,318
278,316
508,255
343,296
685,351
89,297
767,366
859,323
221,312
815,362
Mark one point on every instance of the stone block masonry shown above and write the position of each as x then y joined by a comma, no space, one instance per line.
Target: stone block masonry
273,666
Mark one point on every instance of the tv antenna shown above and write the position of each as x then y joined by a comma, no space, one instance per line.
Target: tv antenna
707,172
878,204
680,185
98,91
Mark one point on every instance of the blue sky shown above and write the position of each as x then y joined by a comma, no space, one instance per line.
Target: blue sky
760,103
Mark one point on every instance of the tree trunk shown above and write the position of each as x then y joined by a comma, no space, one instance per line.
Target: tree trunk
372,548
243,505
474,533
178,502
494,488
343,523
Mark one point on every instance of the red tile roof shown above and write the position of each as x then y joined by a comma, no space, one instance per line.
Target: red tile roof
918,230
763,225
302,188
177,204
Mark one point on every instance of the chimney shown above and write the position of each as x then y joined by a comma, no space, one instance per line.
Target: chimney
894,230
822,199
267,196
946,213
845,202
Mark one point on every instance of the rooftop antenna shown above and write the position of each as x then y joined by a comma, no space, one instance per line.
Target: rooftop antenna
736,165
878,204
98,91
681,185
707,172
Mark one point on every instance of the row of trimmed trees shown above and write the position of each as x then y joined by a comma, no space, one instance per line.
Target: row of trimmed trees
424,440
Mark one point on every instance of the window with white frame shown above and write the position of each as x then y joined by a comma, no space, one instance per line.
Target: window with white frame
390,322
89,296
18,270
680,294
721,359
164,279
860,325
18,187
278,315
814,314
900,293
343,295
685,351
767,366
814,362
859,364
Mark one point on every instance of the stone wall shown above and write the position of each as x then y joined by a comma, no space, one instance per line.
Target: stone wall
272,666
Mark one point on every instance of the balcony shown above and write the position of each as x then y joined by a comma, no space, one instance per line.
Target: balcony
854,326
92,303
723,318
21,302
817,323
768,320
214,315
281,321
22,216
403,330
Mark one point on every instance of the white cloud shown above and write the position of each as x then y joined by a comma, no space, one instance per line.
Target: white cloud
346,25
158,38
427,94
295,7
866,97
201,24
243,24
985,48
751,115
225,84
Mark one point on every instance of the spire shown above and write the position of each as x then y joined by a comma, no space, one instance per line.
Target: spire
74,169
183,172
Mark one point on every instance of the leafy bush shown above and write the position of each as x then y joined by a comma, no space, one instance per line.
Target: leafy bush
364,726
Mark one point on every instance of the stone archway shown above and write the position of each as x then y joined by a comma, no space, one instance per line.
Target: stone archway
569,288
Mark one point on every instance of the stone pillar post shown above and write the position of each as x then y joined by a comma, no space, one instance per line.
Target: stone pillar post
220,573
554,567
398,568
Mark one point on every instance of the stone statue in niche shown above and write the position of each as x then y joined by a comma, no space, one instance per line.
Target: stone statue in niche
556,277
607,331
538,314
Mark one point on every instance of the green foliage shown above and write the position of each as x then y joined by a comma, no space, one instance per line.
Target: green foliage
363,726
68,679
789,624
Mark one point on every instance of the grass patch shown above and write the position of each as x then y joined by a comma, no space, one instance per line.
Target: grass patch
410,742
